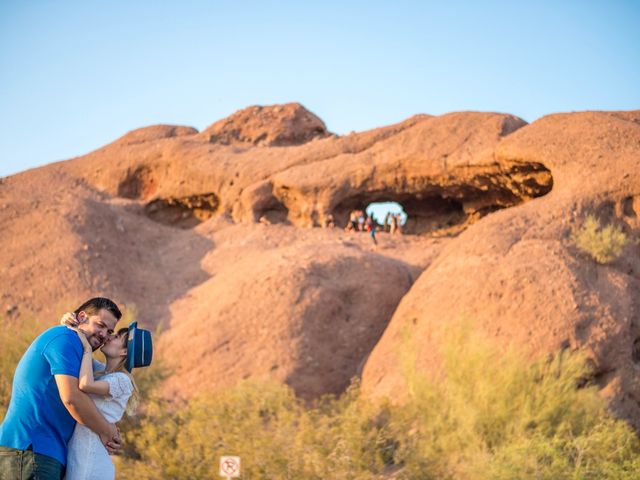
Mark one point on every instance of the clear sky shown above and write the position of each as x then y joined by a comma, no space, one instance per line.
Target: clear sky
76,75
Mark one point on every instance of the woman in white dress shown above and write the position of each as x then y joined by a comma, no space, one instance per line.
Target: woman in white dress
113,391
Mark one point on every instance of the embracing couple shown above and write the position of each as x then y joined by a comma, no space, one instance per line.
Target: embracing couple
64,405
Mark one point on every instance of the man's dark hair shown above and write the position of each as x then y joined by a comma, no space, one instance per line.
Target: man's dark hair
93,306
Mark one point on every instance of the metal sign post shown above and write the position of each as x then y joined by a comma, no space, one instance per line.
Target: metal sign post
230,467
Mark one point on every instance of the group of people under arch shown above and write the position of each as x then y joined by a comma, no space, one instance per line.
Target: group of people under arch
362,221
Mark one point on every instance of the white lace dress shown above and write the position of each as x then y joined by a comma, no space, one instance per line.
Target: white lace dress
87,459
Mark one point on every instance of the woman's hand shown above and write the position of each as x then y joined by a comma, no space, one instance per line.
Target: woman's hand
69,319
86,346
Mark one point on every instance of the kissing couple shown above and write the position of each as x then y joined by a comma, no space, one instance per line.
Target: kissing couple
61,420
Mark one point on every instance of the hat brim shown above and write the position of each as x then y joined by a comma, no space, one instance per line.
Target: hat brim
131,346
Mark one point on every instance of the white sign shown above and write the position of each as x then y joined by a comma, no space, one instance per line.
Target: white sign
230,467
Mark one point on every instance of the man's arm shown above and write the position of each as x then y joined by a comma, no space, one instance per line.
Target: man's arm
84,411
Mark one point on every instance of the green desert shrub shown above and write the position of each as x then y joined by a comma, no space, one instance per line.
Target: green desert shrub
264,423
490,415
493,415
603,243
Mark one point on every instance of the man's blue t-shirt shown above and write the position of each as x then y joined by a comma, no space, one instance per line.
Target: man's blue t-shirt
36,416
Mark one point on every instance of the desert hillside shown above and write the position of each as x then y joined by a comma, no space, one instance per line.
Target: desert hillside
220,240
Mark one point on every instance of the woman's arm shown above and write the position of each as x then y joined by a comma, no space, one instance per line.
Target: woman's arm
86,382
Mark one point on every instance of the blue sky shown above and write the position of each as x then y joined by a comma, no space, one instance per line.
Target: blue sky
76,75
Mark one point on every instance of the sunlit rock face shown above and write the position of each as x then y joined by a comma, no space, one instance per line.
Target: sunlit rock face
215,237
518,276
274,125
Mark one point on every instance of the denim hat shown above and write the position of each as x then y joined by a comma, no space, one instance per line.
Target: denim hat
139,347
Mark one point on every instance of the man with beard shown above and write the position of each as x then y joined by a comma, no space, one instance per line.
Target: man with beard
46,401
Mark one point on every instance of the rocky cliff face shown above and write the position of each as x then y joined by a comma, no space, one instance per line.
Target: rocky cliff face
518,275
214,236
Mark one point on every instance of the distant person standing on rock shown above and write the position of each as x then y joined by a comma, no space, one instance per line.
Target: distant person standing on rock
361,220
353,221
394,224
371,228
329,222
398,223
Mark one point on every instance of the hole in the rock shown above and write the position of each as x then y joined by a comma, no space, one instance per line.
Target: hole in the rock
627,207
137,184
385,214
433,213
606,211
274,211
417,213
635,351
440,209
184,212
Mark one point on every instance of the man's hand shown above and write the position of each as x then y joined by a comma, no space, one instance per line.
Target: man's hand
111,439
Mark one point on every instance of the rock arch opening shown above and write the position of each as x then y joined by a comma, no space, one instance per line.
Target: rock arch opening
383,211
387,216
446,206
418,214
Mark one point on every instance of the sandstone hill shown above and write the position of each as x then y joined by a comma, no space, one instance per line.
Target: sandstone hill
518,275
216,238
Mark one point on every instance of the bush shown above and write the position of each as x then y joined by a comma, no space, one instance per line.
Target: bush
275,435
491,415
603,244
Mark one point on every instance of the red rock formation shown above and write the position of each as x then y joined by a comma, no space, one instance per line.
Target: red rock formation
520,278
306,313
155,132
165,220
274,125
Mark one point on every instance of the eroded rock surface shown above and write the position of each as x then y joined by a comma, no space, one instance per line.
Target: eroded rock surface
209,236
441,169
274,125
518,276
155,132
306,313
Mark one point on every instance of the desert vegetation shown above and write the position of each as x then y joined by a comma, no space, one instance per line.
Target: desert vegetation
490,415
603,243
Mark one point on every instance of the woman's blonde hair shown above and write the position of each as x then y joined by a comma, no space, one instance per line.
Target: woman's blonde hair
134,399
